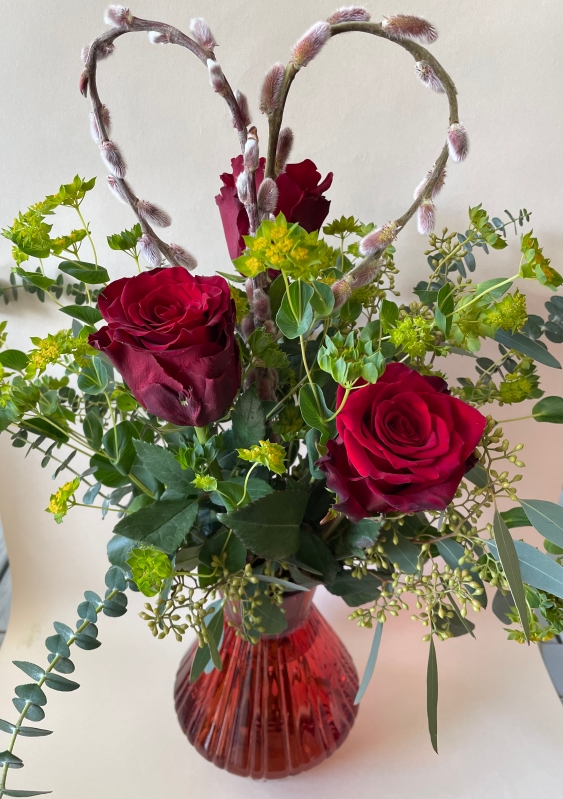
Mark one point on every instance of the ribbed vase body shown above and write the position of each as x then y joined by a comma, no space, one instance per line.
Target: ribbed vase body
277,707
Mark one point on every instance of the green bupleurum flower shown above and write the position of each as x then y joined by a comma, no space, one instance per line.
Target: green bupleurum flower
150,568
509,313
205,482
413,336
60,501
270,455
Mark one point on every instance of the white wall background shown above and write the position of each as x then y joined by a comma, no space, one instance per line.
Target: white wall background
359,111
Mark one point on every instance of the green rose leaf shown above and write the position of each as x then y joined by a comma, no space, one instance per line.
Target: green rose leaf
270,526
249,420
162,464
164,524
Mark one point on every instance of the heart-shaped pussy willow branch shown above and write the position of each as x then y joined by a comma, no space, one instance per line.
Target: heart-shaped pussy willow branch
396,30
124,22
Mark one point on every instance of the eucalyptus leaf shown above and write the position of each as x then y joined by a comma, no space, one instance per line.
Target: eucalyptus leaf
32,712
432,695
58,683
272,618
537,569
264,578
296,313
315,412
509,560
93,379
370,666
405,553
33,671
546,517
549,409
526,346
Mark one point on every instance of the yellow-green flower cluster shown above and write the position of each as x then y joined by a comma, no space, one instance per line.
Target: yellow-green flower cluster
150,568
289,424
270,455
509,313
49,351
413,336
287,248
59,502
205,482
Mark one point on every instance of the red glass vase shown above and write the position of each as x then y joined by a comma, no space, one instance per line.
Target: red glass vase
277,707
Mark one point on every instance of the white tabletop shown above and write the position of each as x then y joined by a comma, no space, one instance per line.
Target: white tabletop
500,721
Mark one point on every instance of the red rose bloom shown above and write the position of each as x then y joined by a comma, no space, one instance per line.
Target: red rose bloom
170,335
404,445
300,200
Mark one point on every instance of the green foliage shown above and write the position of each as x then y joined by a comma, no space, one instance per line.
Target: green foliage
164,524
127,240
249,419
295,315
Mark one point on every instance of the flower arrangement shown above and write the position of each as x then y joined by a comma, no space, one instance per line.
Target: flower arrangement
286,423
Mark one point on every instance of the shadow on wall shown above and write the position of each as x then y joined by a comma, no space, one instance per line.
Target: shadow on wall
5,587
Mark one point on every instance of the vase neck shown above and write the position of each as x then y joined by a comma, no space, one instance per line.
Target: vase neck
296,607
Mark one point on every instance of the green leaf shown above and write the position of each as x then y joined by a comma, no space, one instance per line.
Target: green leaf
230,492
84,313
478,476
389,314
33,671
162,464
113,608
84,272
93,430
432,695
33,712
295,315
525,345
276,295
224,543
38,424
272,618
502,606
356,591
118,445
443,314
10,760
58,683
249,420
57,645
515,517
165,524
115,579
370,666
322,300
87,642
93,379
264,578
405,553
509,560
18,793
269,527
549,409
31,693
25,732
14,359
64,665
547,518
363,534
214,623
489,287
315,412
314,553
537,568
36,279
311,439
87,611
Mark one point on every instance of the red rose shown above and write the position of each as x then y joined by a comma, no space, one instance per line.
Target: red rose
300,200
404,445
171,336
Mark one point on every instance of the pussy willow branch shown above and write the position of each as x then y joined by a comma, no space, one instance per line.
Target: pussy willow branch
174,36
419,54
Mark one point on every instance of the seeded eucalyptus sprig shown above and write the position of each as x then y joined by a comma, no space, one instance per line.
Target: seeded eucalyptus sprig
30,698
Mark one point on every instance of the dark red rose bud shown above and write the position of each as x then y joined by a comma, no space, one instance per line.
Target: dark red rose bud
403,445
300,198
171,336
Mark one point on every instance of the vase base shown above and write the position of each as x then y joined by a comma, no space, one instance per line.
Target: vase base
277,708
